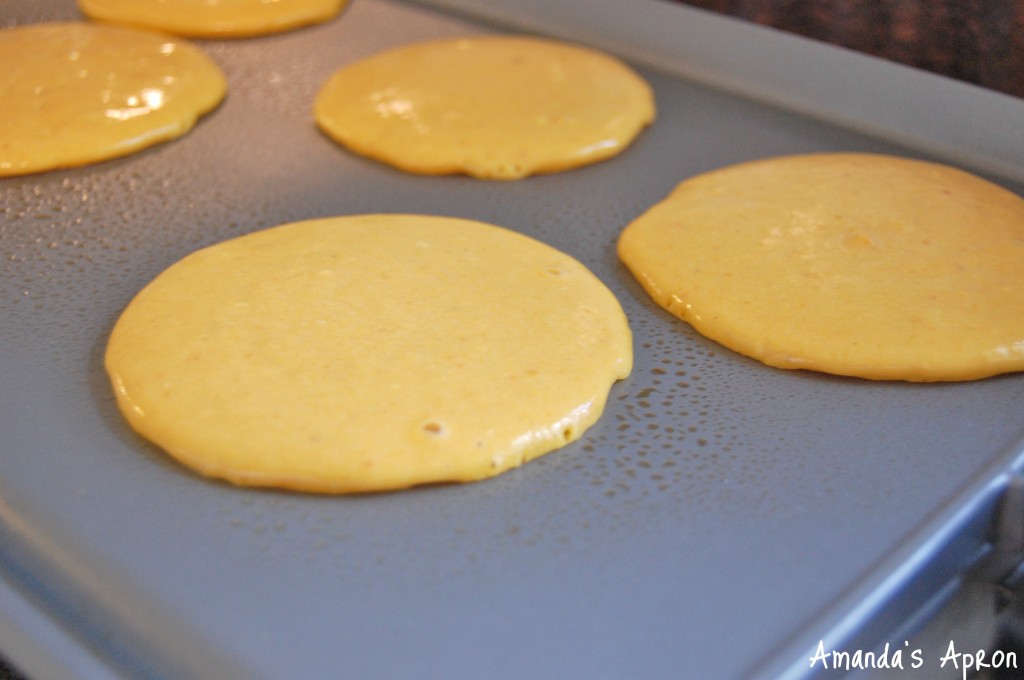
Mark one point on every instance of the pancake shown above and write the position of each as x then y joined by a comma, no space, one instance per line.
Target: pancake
213,18
368,353
854,264
493,107
78,93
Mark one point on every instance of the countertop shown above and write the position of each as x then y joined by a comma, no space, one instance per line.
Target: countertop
975,41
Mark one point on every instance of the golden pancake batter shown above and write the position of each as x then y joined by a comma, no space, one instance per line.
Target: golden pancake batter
78,93
493,107
214,18
856,264
368,353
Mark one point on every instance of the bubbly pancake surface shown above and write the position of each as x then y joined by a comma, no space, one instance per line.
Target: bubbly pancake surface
493,107
368,353
854,264
214,18
78,93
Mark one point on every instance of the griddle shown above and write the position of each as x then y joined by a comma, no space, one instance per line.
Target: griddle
720,521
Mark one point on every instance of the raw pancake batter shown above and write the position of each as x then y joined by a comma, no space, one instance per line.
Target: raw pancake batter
856,264
494,107
214,18
368,353
78,93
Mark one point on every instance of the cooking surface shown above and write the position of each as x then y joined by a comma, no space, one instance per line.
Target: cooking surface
720,516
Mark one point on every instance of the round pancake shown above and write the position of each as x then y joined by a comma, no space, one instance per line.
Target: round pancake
368,353
214,18
79,93
854,264
493,107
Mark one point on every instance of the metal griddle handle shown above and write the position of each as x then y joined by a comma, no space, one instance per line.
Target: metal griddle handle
1004,569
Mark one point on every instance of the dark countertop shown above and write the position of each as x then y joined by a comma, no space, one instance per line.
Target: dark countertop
7,673
977,41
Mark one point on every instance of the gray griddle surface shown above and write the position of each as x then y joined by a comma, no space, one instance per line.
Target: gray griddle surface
719,519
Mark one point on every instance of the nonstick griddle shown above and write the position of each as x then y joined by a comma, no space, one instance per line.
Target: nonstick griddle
721,519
